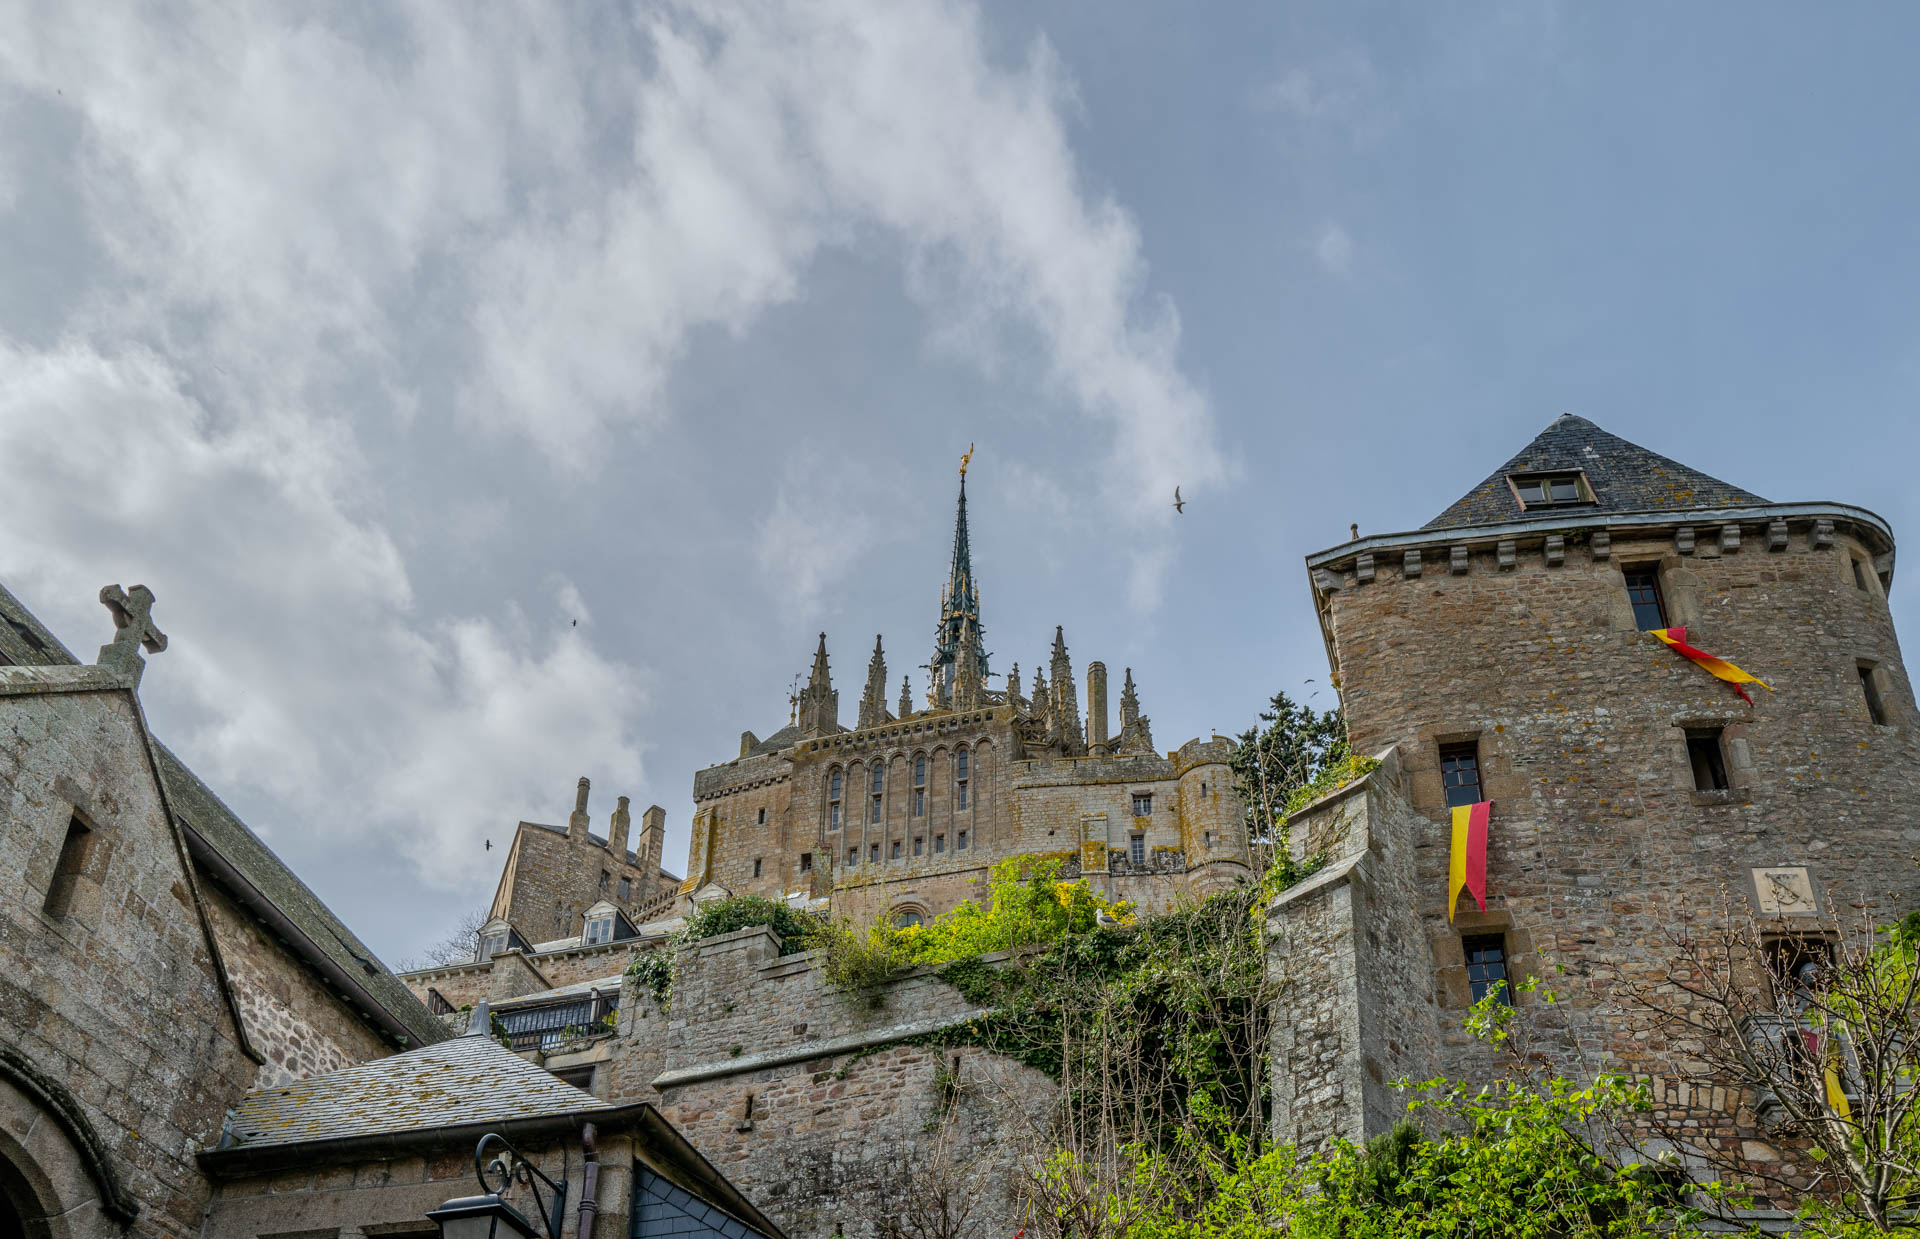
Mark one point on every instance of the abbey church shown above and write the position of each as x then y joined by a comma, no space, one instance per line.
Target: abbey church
192,1044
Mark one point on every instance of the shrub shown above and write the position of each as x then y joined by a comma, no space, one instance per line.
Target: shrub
724,916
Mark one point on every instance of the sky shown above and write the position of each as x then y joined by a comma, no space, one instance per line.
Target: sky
493,395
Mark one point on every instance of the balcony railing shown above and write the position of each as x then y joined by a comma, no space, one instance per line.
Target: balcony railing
554,1024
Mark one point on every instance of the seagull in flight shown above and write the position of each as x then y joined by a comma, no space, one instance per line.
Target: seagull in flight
1179,504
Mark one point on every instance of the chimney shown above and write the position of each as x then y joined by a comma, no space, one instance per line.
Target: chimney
653,838
1097,709
617,831
577,824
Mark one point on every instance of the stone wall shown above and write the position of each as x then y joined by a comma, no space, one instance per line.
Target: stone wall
1353,1010
294,1021
553,875
117,1000
1601,848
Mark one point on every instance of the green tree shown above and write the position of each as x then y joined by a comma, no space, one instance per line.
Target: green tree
1292,746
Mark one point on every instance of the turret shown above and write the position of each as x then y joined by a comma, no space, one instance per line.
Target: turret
873,703
577,824
819,704
617,831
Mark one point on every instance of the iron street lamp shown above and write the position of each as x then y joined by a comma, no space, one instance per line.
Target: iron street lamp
488,1216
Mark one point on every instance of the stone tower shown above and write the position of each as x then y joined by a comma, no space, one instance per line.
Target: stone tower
1503,653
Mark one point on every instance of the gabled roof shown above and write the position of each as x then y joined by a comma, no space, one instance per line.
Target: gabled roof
1625,478
232,855
470,1079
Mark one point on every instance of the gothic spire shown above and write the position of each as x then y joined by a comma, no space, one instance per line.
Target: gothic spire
958,634
873,704
1064,726
906,696
819,711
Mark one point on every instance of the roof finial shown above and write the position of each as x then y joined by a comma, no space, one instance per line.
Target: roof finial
963,461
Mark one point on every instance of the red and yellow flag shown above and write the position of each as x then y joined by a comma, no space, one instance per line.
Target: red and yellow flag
1676,638
1468,864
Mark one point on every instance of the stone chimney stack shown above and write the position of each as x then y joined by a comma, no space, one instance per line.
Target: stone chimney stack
653,838
617,831
1097,709
577,824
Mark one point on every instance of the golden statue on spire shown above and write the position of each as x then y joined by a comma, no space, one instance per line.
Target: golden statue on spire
965,459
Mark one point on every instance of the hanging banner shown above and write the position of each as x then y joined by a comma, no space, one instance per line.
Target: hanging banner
1467,866
1676,639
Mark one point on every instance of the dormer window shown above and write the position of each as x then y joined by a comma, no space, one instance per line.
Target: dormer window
1548,490
599,929
492,945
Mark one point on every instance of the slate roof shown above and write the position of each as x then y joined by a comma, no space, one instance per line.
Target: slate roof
470,1079
24,640
664,1210
1625,478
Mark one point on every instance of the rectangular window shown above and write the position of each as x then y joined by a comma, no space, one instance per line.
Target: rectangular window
833,816
490,946
599,930
756,866
806,862
919,802
875,815
853,857
763,818
939,843
895,854
1137,849
919,844
1143,804
1460,773
1709,764
1859,575
1876,708
1487,965
1546,489
960,842
960,764
1643,591
960,795
626,889
875,854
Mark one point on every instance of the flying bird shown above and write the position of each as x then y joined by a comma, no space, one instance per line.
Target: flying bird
1179,504
576,623
489,845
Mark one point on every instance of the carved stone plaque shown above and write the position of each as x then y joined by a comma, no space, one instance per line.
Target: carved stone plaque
1784,890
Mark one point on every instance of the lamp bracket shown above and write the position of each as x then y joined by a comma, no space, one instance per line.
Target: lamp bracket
508,1166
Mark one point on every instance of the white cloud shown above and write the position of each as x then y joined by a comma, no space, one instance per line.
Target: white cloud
288,200
295,638
1341,92
1334,249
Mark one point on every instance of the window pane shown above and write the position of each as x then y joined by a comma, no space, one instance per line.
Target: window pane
960,841
1486,965
879,778
939,843
833,816
960,764
833,786
961,797
1138,849
1564,489
1531,492
919,770
875,816
1643,591
1460,774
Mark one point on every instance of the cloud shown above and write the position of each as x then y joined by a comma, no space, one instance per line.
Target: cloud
1334,249
315,229
297,650
1340,92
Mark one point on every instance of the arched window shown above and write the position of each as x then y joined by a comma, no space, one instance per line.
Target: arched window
920,785
962,768
908,918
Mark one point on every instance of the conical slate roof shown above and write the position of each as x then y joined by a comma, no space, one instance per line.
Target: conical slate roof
1625,478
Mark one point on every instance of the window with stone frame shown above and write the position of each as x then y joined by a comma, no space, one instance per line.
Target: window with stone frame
1143,804
919,845
835,780
895,853
962,771
762,820
1705,755
626,889
76,856
1486,956
939,844
1876,706
756,866
874,854
806,862
1460,773
1643,592
878,788
1137,849
920,785
853,856
960,842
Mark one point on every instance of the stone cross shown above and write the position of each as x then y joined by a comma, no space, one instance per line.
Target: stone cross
133,621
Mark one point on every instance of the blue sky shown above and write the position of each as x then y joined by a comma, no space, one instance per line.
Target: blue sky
386,342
